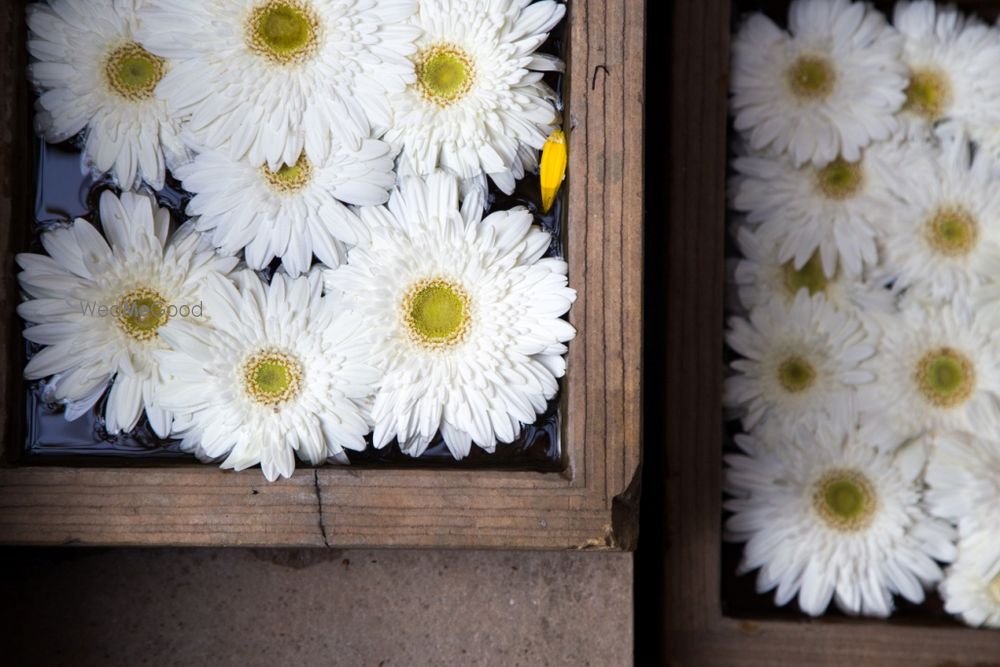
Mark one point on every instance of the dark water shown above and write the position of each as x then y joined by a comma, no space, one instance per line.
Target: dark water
63,192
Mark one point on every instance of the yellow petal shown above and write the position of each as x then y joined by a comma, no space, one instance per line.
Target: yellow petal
552,170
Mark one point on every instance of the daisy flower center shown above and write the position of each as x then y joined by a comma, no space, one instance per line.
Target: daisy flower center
289,178
141,313
133,72
945,377
272,377
845,500
995,589
811,77
840,179
445,74
952,231
928,93
796,374
810,276
436,313
283,31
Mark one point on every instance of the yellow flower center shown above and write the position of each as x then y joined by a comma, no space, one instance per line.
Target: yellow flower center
436,313
928,93
811,77
952,231
141,312
810,276
133,72
845,500
796,374
445,73
945,377
840,179
272,377
995,588
287,178
283,31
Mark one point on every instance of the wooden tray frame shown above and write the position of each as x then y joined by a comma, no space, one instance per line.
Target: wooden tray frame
591,504
696,630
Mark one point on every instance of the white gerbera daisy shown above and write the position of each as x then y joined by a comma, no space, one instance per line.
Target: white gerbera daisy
92,74
828,89
963,479
285,370
971,588
835,519
268,79
761,277
465,315
478,104
985,302
772,435
951,60
942,237
937,370
103,310
291,212
801,364
837,210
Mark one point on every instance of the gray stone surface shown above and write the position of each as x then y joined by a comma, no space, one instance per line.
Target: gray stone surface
315,607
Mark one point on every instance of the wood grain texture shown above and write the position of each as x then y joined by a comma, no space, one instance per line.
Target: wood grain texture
857,643
592,504
695,284
695,631
15,168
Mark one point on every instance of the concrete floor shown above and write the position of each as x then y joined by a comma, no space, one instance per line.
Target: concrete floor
249,607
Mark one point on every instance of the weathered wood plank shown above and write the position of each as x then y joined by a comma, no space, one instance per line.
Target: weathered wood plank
699,63
202,506
862,643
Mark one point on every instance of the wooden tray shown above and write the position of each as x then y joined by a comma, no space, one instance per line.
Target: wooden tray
695,630
591,504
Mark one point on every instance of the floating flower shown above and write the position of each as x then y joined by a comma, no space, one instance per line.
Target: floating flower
834,519
838,211
963,479
92,74
291,212
761,277
478,104
268,79
951,60
465,316
284,371
942,237
971,588
103,310
937,371
828,89
801,364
